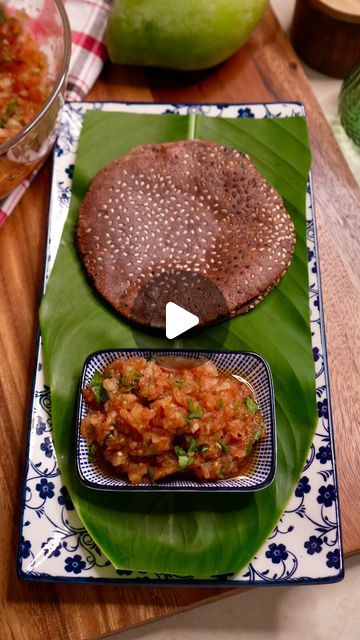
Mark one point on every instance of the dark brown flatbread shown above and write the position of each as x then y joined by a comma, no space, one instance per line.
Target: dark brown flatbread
193,207
251,304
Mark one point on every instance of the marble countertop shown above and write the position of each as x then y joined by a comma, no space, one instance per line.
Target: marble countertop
324,612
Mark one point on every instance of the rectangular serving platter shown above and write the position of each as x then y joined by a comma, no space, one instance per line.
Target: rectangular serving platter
304,548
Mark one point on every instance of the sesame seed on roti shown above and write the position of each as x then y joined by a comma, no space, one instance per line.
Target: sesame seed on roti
193,207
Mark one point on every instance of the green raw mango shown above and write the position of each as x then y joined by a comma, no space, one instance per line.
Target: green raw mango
180,34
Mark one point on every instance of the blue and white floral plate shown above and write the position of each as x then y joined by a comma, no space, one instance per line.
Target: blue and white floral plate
305,547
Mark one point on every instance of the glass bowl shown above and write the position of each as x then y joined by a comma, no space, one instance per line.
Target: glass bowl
25,150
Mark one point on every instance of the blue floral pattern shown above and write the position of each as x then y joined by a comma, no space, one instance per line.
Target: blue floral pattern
45,489
305,544
326,495
277,553
74,564
313,545
51,548
24,548
333,559
322,408
70,171
64,499
40,426
47,447
246,113
303,487
324,455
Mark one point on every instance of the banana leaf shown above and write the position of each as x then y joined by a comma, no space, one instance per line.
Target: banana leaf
193,534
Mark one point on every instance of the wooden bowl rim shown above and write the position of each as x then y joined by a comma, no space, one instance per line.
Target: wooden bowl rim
344,10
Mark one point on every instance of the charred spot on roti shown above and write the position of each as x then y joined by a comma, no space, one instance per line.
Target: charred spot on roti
192,291
190,206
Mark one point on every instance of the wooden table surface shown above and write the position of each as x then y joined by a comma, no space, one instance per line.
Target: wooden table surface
265,69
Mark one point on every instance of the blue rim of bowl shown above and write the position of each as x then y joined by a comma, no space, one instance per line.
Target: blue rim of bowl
185,489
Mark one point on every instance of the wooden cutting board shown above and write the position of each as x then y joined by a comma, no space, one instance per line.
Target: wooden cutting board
265,69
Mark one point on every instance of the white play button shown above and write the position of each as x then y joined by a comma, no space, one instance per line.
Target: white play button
178,320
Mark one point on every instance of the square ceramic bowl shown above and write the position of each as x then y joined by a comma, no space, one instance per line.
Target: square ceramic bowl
258,472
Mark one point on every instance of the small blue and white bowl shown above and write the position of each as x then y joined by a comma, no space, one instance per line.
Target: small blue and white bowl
258,474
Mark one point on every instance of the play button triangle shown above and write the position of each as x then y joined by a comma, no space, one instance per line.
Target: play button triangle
178,320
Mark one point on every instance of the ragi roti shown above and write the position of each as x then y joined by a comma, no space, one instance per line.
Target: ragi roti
177,221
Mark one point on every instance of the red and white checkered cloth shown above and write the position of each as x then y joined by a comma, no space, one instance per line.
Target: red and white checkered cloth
88,20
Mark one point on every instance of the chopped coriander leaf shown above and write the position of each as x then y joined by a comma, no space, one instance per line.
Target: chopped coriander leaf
2,15
220,404
183,458
109,439
195,411
184,461
193,447
98,390
225,447
92,452
249,449
251,405
111,373
121,381
256,435
179,451
97,378
1,122
134,374
202,447
12,104
151,473
179,382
